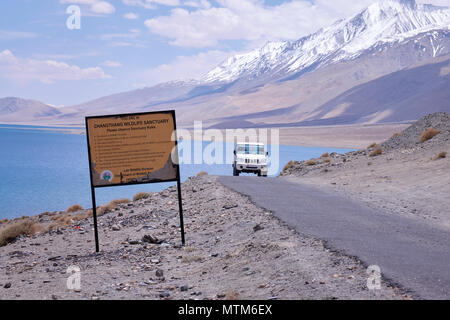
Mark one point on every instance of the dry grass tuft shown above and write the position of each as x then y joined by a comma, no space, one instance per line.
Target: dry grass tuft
428,134
61,222
288,165
4,221
326,160
202,173
74,208
311,162
26,227
373,145
325,155
378,151
440,155
395,135
140,196
105,209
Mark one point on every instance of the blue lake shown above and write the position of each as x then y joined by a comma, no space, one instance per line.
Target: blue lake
43,170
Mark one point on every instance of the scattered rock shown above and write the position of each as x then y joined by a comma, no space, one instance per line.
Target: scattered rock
115,227
159,273
7,286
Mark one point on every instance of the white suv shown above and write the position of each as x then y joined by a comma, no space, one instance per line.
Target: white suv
250,158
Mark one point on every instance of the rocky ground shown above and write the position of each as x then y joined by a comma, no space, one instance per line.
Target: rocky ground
233,250
402,175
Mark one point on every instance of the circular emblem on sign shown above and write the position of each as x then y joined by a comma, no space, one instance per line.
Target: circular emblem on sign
107,175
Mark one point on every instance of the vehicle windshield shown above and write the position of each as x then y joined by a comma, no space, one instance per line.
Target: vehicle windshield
250,149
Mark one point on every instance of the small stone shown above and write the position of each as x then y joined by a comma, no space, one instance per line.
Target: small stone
7,286
54,297
115,227
220,295
164,294
159,273
229,206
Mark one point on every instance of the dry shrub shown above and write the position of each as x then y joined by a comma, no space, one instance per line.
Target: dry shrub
311,162
440,155
373,145
395,135
101,210
13,231
202,173
3,221
288,165
140,196
378,151
325,155
428,134
105,209
119,201
74,208
326,160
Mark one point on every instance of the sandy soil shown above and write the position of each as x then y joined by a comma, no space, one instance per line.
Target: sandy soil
234,250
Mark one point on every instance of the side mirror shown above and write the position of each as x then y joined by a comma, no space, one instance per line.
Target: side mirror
234,152
267,153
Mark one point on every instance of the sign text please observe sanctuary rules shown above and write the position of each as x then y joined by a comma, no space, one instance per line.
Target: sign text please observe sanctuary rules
131,149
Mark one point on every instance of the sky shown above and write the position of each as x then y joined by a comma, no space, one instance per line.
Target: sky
122,45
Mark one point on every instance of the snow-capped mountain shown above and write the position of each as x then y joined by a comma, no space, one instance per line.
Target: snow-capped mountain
382,23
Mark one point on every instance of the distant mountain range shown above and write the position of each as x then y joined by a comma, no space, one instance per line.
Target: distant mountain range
388,63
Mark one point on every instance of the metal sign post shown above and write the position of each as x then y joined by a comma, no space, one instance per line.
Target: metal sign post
132,149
